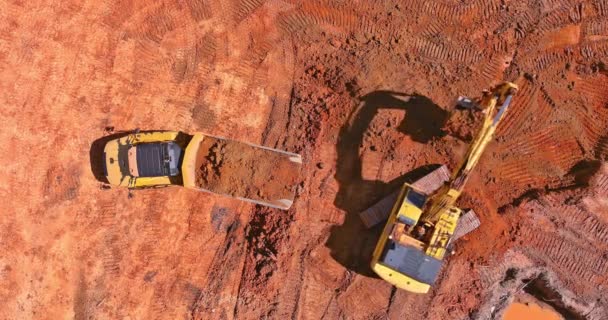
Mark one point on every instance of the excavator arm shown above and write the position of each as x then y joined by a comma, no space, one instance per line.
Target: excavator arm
446,197
503,95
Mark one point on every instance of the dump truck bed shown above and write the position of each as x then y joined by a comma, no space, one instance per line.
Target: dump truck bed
241,170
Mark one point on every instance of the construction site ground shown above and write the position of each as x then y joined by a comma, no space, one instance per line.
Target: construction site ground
364,91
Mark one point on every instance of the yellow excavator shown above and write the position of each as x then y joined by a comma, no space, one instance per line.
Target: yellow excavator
423,220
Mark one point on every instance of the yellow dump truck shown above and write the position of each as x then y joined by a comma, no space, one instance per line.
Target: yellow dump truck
203,162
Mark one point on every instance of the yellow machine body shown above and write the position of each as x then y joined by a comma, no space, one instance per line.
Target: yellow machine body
415,239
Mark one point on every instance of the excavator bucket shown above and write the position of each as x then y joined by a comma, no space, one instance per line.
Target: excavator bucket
242,170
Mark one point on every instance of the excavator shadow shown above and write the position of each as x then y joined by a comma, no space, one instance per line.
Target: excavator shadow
351,244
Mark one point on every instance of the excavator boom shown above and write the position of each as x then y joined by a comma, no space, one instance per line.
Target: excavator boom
501,94
446,197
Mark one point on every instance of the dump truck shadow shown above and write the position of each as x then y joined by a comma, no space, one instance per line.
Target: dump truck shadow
351,244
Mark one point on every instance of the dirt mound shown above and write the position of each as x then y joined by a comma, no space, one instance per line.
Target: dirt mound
242,170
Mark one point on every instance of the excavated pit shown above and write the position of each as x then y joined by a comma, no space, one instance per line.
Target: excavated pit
543,291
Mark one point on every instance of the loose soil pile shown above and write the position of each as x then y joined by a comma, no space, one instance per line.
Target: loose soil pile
242,170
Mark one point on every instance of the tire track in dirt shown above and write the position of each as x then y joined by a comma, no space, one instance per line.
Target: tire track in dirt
594,91
570,259
553,29
564,242
154,204
316,13
200,115
525,105
240,87
110,246
539,157
184,57
448,11
601,7
319,281
311,273
575,218
138,260
154,22
180,53
208,222
289,299
149,60
564,14
200,9
594,50
117,13
184,98
61,184
601,149
601,185
449,53
219,293
537,63
245,8
492,71
597,28
594,116
279,117
167,44
491,275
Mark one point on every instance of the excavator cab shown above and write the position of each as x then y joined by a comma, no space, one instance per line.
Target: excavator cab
411,208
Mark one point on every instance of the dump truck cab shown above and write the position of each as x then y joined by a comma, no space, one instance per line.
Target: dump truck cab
143,160
155,159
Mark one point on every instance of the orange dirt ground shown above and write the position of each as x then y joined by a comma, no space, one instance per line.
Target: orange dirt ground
325,79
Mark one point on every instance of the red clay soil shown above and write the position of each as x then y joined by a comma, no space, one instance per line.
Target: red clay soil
242,170
363,90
